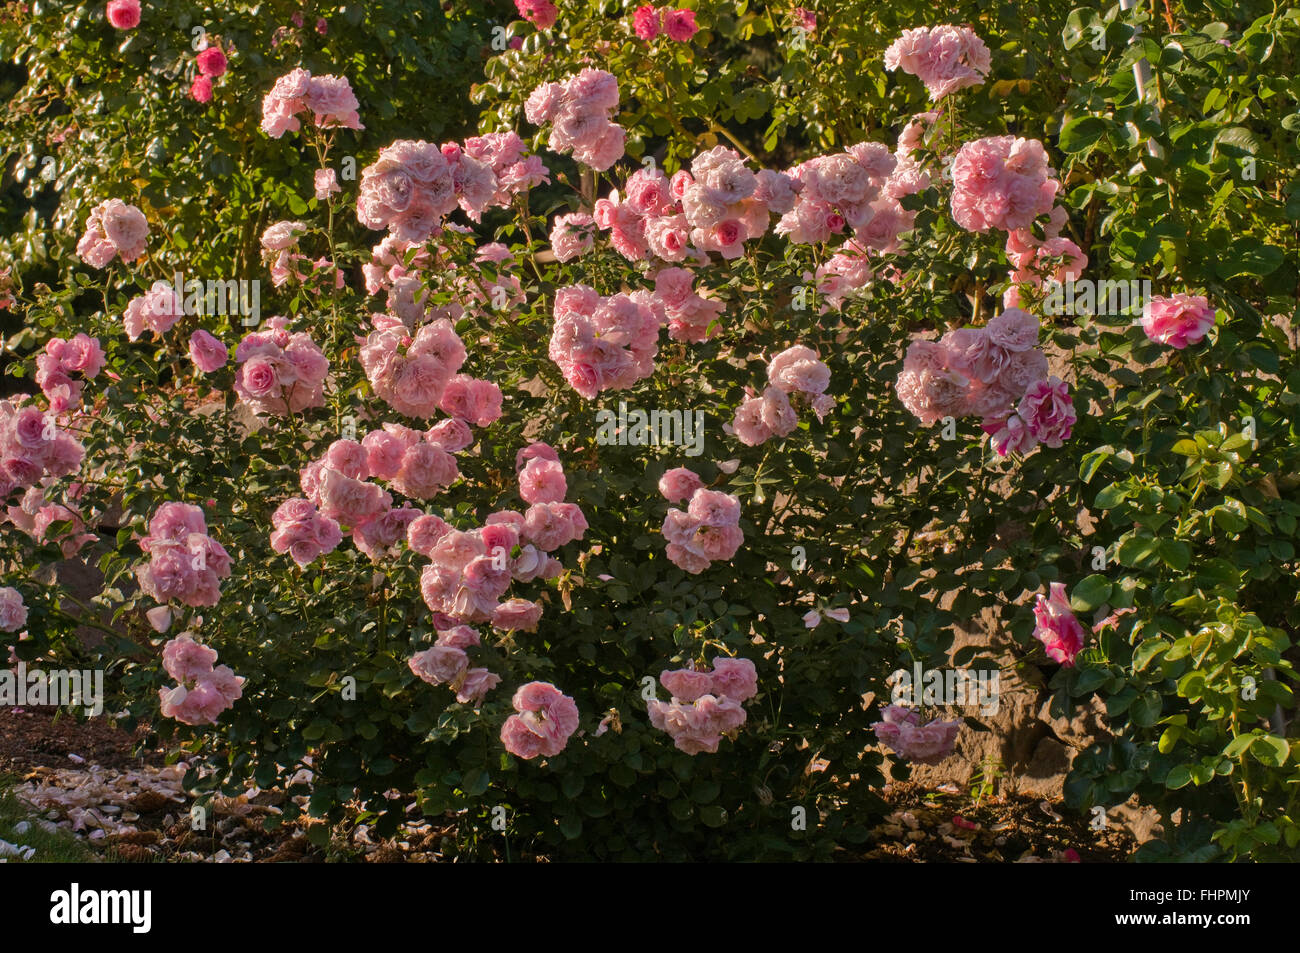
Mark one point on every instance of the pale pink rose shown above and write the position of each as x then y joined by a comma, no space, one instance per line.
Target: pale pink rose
13,612
114,228
798,370
546,720
679,484
476,684
425,470
384,453
186,660
777,414
327,184
544,103
440,664
572,236
945,58
349,458
542,481
207,352
902,731
351,502
685,684
332,102
477,402
453,435
736,678
536,450
517,615
424,532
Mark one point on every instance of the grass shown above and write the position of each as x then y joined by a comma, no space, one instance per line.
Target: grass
52,847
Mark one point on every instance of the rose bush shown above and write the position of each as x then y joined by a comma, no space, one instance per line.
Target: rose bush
388,507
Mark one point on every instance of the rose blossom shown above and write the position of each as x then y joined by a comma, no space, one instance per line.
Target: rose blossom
1177,321
1056,626
123,14
207,352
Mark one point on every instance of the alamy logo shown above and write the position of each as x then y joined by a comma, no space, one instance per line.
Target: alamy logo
75,906
61,687
234,296
637,428
956,686
1087,296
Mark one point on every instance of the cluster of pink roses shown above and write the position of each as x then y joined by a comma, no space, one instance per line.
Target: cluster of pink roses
417,465
1056,627
689,315
837,191
114,228
996,372
34,515
156,310
300,530
329,99
603,343
717,206
1001,182
447,663
705,705
280,249
81,355
797,373
545,720
279,372
202,692
414,185
32,447
707,531
469,572
944,58
211,63
417,375
678,25
1177,321
841,276
185,563
13,611
1055,257
580,111
928,743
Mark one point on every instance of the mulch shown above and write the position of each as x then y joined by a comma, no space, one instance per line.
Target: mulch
925,825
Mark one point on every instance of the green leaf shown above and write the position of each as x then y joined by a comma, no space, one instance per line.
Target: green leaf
1080,135
1091,593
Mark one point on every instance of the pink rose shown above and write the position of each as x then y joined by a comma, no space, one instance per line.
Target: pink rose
207,352
1048,412
211,62
679,484
1056,626
1177,321
123,14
